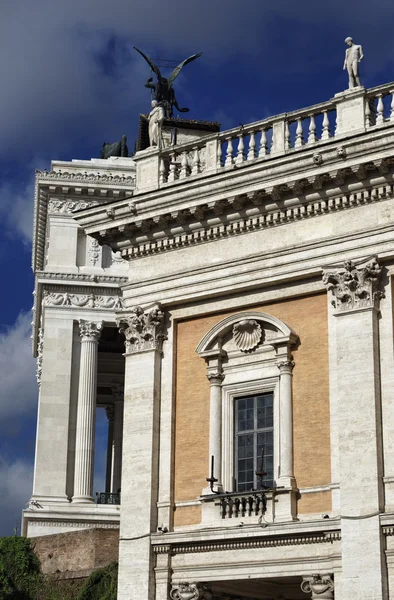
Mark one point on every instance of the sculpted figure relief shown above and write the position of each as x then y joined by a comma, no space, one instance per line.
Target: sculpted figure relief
354,54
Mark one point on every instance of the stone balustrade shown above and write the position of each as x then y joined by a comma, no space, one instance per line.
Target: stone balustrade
308,128
245,504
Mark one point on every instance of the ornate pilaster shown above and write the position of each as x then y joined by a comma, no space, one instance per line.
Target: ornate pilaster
109,409
86,412
286,474
142,330
40,347
320,586
184,591
118,394
354,287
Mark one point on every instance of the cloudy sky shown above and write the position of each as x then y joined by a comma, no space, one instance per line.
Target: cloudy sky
70,80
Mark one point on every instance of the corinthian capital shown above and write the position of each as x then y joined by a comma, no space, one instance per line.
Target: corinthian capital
321,586
142,330
90,331
354,286
184,591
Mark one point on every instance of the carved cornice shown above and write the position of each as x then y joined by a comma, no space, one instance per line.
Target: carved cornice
77,524
254,218
266,542
354,287
90,331
86,178
320,586
85,277
142,331
65,299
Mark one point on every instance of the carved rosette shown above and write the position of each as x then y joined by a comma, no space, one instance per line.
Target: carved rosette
142,330
321,586
185,591
247,335
354,287
90,331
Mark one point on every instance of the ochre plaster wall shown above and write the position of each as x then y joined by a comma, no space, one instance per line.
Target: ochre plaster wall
307,316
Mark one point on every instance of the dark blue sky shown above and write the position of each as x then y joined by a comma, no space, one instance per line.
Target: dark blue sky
70,80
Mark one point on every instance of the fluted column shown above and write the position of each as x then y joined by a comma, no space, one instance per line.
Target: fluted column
215,428
117,392
86,412
286,474
109,409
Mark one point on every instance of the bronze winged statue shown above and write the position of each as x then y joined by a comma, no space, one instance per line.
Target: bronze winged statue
163,89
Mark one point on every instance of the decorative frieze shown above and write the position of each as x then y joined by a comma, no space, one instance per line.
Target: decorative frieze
320,586
65,299
354,286
247,335
67,207
85,177
142,330
184,591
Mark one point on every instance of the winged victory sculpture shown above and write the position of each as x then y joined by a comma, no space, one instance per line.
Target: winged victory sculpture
164,92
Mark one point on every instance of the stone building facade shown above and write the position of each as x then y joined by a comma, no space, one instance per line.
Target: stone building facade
230,301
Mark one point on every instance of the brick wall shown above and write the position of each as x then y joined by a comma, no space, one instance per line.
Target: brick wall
76,553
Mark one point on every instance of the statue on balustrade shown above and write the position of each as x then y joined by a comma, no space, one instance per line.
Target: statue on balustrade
354,55
156,118
164,93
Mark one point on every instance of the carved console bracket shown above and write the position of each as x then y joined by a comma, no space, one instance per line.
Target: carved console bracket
320,586
184,591
354,287
142,330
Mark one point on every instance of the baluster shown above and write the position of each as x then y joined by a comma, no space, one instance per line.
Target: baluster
263,144
252,147
326,127
162,171
243,507
228,510
368,122
229,155
299,141
254,506
196,162
392,106
241,147
250,506
172,172
184,167
380,117
312,130
287,136
219,155
237,504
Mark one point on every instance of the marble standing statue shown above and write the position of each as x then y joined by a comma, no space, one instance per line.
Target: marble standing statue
354,54
156,118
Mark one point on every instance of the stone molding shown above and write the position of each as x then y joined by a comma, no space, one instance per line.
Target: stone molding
142,330
207,232
90,331
65,299
85,277
184,591
321,586
77,524
271,542
354,287
88,178
247,335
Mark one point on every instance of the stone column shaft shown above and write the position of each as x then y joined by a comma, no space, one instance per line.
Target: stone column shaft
215,429
286,423
86,413
117,447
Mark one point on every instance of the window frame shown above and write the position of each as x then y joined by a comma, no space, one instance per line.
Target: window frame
230,393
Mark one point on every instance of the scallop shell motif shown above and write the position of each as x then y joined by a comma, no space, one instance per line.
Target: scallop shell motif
247,335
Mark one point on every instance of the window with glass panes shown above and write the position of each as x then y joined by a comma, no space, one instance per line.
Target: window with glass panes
254,430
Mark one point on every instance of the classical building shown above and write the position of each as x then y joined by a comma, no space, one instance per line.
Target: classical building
229,300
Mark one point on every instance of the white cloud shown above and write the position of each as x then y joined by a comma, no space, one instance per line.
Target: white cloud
16,484
18,390
16,209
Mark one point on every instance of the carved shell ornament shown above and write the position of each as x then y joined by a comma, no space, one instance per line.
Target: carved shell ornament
247,335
